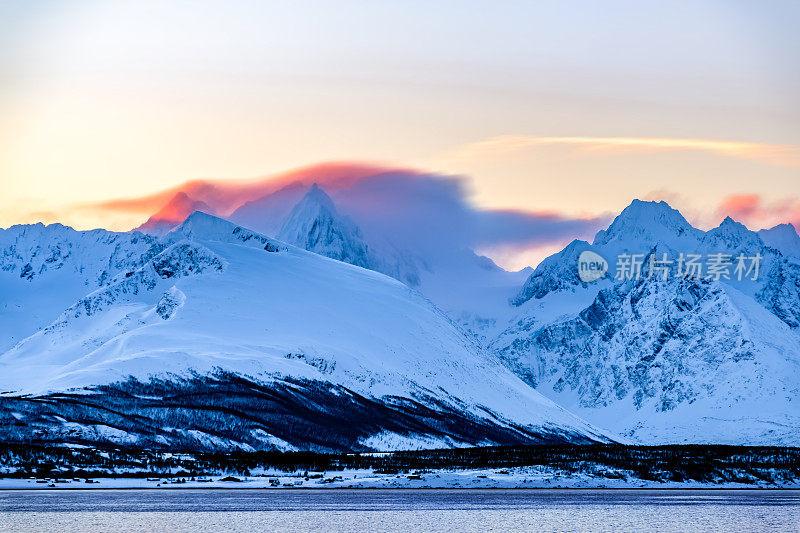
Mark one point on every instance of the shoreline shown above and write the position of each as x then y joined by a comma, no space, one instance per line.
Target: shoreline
365,480
417,489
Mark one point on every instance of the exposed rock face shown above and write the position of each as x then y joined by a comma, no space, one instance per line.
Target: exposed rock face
315,225
665,357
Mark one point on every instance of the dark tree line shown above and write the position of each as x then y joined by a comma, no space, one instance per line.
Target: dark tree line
700,463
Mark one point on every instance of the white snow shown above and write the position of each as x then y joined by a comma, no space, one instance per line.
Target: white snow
244,308
526,477
665,362
783,238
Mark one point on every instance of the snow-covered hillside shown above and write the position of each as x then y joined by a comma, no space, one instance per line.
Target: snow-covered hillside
278,344
217,336
665,358
470,288
44,269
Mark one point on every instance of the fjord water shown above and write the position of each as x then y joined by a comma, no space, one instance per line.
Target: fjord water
399,510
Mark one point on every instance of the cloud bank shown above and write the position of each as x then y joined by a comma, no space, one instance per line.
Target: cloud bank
433,213
428,213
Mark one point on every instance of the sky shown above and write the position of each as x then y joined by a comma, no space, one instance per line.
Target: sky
569,109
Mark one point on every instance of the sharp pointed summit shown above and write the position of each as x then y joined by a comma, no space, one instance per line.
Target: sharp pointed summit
315,224
783,238
644,221
732,236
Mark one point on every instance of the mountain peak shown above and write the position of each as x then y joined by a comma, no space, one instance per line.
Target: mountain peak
205,227
783,238
181,198
201,225
733,236
648,204
728,222
554,273
786,230
733,228
642,211
317,196
786,227
645,222
314,205
315,224
199,219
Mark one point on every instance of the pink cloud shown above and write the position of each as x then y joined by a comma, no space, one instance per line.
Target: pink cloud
756,213
426,212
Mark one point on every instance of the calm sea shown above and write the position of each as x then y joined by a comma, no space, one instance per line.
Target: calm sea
399,510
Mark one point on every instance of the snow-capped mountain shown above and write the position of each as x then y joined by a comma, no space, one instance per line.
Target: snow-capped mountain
648,222
314,224
172,214
783,238
217,337
472,289
667,357
43,269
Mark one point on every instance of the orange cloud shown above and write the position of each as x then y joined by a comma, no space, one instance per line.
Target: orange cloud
224,196
784,155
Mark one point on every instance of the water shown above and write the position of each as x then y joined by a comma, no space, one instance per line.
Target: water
398,510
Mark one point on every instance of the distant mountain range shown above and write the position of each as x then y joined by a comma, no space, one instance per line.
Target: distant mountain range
667,358
210,334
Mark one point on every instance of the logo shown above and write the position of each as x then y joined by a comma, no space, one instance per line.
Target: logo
591,266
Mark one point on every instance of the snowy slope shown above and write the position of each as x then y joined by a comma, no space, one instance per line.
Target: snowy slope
222,306
675,360
43,269
473,291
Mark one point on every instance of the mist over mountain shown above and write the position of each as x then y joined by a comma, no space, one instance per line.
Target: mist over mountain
267,214
424,214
